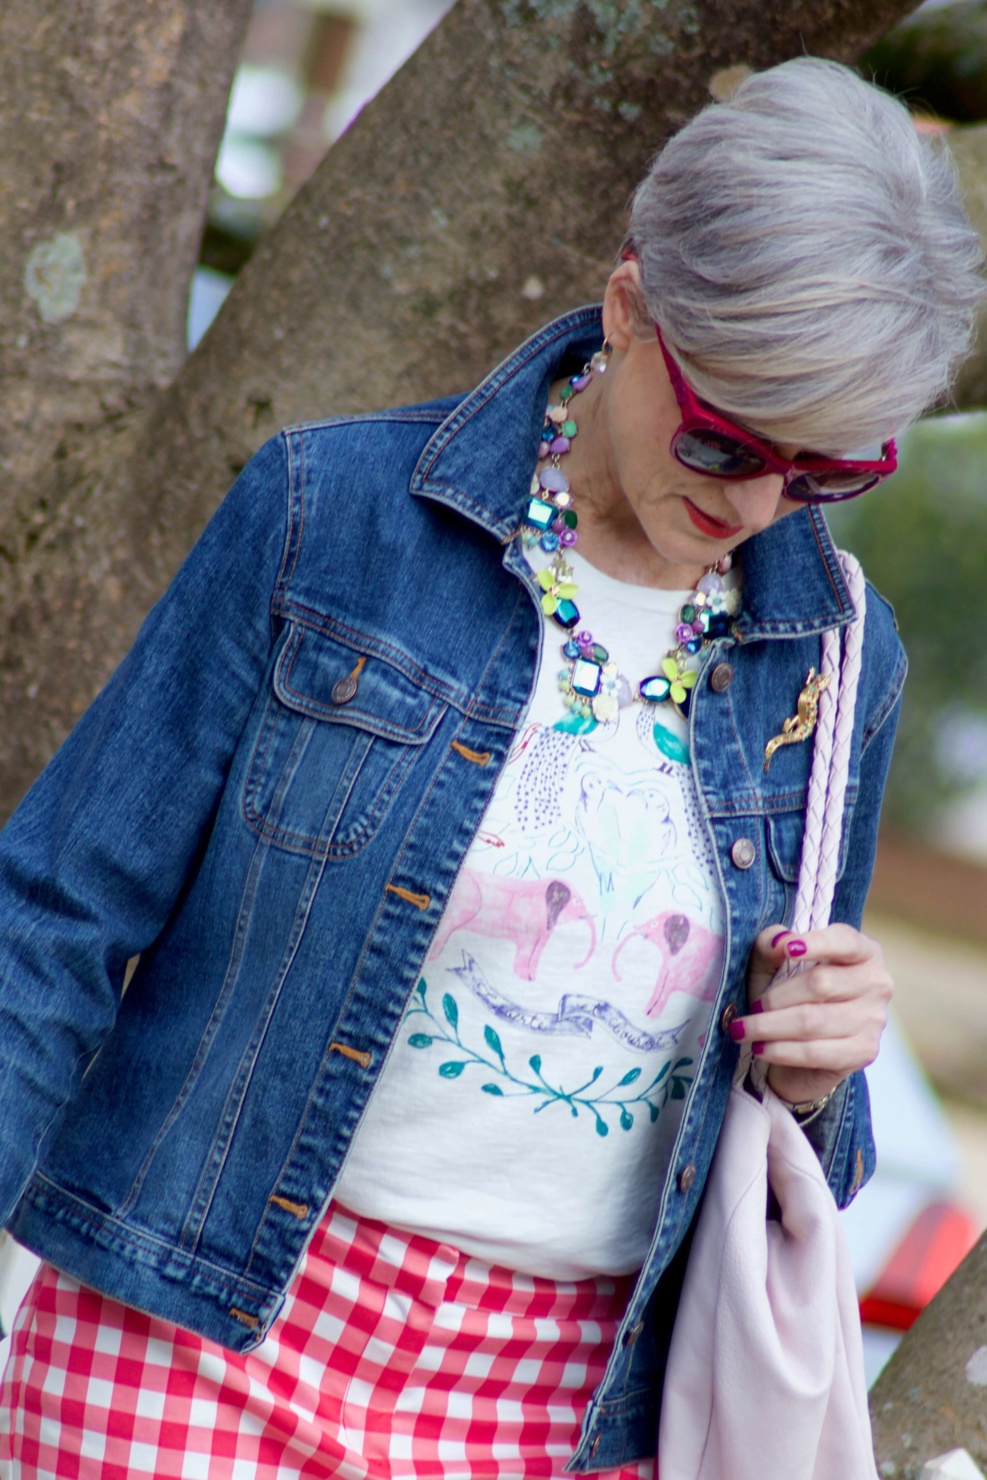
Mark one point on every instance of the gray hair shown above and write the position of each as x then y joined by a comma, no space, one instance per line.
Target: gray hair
806,254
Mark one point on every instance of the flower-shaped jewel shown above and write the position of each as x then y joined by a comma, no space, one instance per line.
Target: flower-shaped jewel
556,589
681,679
607,702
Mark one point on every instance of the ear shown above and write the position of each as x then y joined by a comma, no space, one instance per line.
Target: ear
621,305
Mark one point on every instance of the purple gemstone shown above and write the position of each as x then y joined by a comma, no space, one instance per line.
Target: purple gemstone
710,584
585,636
543,450
699,626
554,480
683,632
559,445
567,538
580,382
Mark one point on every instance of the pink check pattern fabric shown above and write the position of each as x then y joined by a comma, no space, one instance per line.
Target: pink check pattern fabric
394,1356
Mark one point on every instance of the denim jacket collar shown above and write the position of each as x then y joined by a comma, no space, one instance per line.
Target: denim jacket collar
793,581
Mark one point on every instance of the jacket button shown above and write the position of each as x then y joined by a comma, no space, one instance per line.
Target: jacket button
729,1013
743,853
344,689
687,1176
721,678
632,1335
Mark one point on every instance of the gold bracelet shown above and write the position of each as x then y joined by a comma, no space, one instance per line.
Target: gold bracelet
807,1110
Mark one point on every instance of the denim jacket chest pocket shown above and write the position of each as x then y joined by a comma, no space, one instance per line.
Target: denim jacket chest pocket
785,837
339,735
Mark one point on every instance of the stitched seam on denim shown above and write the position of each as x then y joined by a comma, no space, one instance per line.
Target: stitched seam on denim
384,902
350,843
832,563
729,810
401,415
494,383
307,618
478,711
209,1032
208,1185
350,714
83,1216
259,819
358,641
295,524
890,701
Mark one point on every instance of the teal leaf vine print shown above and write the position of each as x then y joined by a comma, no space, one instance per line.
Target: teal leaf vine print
670,1083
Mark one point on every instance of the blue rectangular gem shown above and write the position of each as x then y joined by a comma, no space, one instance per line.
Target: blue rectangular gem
540,515
586,677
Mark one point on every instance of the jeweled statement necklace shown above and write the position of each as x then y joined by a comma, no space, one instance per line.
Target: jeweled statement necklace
590,682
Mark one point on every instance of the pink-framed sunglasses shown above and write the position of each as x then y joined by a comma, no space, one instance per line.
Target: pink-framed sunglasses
708,442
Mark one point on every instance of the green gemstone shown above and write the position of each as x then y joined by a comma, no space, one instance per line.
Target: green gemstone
688,613
567,394
570,519
670,744
600,653
568,428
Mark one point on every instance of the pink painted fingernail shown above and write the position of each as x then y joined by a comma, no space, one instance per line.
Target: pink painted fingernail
757,1006
780,936
796,948
757,1049
736,1031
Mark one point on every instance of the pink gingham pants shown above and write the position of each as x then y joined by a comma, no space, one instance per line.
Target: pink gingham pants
394,1356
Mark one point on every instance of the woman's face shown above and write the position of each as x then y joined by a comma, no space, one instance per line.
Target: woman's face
688,519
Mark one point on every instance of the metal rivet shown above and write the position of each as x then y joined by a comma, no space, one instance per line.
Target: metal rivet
632,1335
344,689
721,678
687,1176
743,853
729,1013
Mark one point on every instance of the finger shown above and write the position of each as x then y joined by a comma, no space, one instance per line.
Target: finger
839,944
823,1014
827,983
836,1056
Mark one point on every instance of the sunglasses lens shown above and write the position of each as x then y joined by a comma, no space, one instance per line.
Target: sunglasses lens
717,455
829,487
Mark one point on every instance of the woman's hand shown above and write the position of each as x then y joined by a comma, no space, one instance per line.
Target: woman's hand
824,1022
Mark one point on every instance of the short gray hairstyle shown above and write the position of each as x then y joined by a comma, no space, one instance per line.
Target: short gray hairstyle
806,254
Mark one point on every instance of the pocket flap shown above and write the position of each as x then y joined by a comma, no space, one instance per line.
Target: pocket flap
386,701
785,835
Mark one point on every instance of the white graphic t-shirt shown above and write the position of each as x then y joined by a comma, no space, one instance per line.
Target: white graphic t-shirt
530,1101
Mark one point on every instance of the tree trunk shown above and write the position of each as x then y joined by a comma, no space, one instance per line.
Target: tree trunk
969,149
482,191
932,1395
110,116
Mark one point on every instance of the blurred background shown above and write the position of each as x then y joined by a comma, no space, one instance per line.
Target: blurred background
307,68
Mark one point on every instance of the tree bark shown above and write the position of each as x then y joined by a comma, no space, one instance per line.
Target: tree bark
932,1395
110,116
969,149
482,192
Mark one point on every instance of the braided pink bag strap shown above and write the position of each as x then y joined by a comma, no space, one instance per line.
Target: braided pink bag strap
830,763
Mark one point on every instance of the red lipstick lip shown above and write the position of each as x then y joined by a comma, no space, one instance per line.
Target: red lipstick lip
717,529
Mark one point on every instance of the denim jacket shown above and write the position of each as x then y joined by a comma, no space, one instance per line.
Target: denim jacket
269,804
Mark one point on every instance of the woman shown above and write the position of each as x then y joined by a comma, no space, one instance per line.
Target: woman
401,790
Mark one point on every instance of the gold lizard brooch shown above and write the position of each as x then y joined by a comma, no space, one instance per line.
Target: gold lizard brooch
800,725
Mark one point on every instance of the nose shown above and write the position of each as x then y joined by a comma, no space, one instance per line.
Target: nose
755,501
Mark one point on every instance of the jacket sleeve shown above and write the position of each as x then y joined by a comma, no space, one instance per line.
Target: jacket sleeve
842,1134
94,858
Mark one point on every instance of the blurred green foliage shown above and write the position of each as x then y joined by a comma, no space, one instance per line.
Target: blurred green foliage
922,539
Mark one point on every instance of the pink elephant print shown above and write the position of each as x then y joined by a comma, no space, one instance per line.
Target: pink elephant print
691,957
524,911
